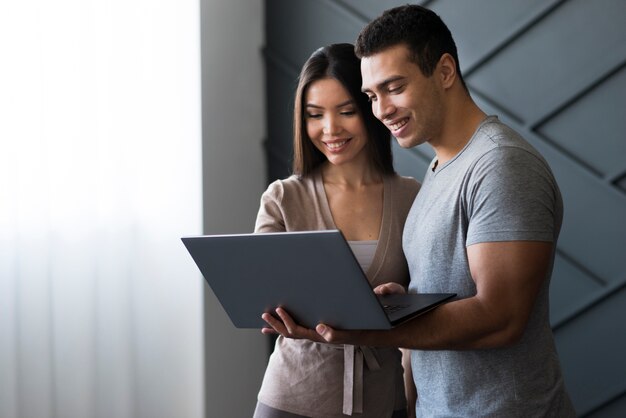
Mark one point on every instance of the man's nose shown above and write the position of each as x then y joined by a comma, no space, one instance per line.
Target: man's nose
383,108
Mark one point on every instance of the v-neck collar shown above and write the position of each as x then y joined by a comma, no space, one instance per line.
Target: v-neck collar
383,233
436,168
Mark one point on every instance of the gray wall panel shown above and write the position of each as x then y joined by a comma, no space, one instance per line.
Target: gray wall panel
612,409
594,375
621,183
574,45
480,26
368,9
297,28
571,290
593,128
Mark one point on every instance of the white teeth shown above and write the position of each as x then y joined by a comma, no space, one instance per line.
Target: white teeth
398,125
335,145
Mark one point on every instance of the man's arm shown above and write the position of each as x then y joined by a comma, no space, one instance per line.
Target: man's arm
409,384
508,277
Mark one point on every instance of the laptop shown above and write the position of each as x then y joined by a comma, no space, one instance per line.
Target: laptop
312,274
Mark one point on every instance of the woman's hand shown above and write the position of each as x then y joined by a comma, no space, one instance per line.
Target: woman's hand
389,289
288,328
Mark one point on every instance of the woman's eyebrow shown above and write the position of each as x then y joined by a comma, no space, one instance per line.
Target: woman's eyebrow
346,103
342,104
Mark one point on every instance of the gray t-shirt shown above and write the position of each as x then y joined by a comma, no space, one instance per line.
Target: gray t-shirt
498,188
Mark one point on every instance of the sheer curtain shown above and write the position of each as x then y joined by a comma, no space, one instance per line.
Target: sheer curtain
100,175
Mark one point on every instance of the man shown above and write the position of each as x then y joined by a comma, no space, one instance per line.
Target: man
484,225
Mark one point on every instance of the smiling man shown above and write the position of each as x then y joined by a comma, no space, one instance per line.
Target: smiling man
484,225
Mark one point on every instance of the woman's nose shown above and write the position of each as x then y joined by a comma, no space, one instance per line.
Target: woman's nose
331,126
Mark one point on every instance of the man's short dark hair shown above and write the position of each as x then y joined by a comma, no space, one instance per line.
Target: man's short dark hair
417,27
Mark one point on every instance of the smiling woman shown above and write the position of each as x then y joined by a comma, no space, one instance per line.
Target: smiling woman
99,175
343,179
333,123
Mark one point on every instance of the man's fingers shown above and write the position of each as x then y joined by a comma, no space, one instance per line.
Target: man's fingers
381,290
338,336
389,288
326,332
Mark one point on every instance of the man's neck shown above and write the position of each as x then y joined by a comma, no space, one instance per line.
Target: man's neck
460,124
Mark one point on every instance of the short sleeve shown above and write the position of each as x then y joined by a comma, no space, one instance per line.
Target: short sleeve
511,195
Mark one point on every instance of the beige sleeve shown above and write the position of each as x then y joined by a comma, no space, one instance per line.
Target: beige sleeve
270,216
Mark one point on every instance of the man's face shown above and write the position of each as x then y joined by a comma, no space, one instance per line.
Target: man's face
407,102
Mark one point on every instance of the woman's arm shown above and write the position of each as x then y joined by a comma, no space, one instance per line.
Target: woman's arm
270,217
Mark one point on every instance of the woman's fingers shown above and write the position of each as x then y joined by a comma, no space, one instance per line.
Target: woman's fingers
284,325
276,325
289,324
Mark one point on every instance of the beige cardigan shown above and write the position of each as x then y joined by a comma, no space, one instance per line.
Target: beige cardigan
327,380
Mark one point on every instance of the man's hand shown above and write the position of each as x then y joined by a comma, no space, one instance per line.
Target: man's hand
288,328
389,289
358,337
335,336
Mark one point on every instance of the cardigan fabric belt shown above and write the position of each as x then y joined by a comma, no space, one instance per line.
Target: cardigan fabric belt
353,357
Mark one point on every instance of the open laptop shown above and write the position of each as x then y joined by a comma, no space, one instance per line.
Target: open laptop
313,275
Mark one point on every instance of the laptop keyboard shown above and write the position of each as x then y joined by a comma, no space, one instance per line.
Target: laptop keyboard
394,308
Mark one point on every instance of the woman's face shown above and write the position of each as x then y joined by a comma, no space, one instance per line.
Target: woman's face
333,122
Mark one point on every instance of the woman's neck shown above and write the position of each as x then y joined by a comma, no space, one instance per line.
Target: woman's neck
350,175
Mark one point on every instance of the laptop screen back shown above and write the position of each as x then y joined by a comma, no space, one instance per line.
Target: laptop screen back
313,275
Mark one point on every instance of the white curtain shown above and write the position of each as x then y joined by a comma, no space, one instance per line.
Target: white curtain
100,175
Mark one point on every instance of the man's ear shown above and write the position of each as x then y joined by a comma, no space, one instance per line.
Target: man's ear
446,70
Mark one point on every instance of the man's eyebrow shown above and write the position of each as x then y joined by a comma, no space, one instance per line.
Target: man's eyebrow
384,83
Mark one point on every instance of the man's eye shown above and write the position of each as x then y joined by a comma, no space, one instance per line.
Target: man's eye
371,98
395,89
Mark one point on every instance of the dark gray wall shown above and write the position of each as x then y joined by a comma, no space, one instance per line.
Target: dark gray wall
556,72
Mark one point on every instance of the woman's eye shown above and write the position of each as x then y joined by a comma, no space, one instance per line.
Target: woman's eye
348,112
313,115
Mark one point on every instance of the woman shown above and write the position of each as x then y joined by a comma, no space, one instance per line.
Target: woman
343,179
